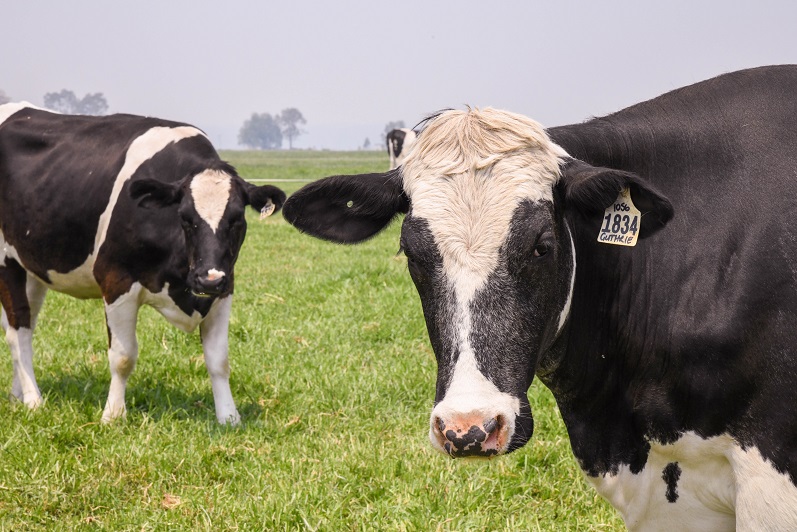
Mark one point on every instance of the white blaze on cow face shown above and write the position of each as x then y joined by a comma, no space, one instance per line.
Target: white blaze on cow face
210,191
466,175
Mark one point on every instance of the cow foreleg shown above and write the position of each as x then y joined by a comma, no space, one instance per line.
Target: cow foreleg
120,316
22,299
214,329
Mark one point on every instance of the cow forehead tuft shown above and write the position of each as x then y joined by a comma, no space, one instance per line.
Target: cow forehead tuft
211,192
467,141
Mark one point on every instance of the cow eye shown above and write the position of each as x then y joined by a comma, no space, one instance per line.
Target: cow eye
541,249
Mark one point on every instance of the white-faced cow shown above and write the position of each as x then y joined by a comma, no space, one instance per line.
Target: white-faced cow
137,211
673,356
398,144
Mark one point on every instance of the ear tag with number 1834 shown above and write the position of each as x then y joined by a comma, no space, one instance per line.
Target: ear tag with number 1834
620,225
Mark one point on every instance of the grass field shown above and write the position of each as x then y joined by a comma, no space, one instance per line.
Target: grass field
334,378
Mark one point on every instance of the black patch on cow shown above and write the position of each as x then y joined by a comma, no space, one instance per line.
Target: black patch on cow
57,198
347,209
670,475
468,444
692,329
425,265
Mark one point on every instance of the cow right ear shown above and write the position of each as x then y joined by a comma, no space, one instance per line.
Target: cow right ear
154,193
347,209
590,190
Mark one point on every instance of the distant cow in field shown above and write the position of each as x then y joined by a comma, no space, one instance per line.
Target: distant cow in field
137,211
642,265
398,143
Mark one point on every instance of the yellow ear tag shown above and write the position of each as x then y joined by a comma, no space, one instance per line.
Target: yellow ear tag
267,210
620,221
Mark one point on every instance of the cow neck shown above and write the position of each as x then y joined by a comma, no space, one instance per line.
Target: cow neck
592,366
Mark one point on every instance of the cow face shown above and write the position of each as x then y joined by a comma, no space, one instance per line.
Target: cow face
210,209
489,247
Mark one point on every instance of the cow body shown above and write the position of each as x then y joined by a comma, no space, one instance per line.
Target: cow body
673,362
137,211
398,144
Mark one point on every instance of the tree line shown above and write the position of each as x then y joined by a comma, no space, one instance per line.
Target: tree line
262,131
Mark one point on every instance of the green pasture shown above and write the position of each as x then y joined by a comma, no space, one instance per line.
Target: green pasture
334,377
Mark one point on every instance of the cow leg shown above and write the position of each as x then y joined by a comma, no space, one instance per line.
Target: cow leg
214,329
36,292
120,317
18,319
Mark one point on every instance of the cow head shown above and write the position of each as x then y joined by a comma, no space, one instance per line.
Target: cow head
489,202
210,206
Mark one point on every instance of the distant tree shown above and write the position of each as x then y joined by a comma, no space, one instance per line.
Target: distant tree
289,120
4,98
366,143
66,102
260,132
390,126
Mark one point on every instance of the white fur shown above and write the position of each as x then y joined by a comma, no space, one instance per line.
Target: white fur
568,302
163,303
211,193
721,487
121,317
466,175
215,345
214,274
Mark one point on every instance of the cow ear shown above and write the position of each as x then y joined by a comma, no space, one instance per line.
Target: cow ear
154,193
266,199
347,209
590,190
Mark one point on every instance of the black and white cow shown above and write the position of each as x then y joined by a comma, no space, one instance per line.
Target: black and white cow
137,211
398,144
672,356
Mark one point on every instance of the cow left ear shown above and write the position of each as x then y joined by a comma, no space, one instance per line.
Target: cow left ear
590,190
154,193
259,198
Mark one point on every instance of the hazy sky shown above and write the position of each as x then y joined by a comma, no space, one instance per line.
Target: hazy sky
353,66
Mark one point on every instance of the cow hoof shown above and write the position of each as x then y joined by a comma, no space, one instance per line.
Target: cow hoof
111,415
31,401
231,419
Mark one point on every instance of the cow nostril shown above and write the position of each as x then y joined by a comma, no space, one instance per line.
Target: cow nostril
440,425
490,425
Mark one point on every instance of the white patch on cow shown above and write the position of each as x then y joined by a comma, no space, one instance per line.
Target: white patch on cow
566,310
8,109
214,274
211,192
721,487
165,305
121,317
